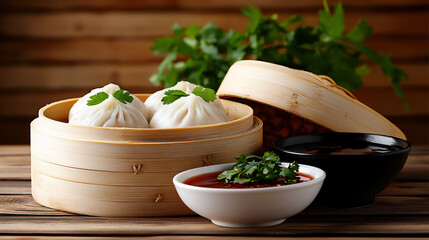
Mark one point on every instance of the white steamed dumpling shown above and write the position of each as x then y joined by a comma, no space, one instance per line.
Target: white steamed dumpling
153,102
110,112
112,88
186,112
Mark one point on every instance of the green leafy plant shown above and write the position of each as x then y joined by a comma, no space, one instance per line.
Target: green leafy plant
204,55
254,168
206,94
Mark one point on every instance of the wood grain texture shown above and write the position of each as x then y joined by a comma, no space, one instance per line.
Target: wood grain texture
14,167
79,50
138,50
298,225
30,77
418,75
399,211
406,188
82,76
52,50
415,128
396,188
418,169
376,98
190,237
384,205
29,103
15,187
141,24
19,5
14,150
25,205
49,47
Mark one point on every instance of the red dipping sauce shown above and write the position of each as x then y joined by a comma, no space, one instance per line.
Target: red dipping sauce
209,180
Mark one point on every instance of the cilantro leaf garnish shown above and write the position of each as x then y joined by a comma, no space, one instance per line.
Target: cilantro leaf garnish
123,97
208,94
254,168
120,95
173,95
97,98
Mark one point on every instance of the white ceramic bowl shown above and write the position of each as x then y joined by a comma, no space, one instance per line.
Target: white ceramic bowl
256,207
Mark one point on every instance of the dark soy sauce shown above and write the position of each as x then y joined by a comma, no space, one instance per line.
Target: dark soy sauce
337,149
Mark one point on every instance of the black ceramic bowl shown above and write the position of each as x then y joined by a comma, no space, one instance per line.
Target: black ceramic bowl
357,165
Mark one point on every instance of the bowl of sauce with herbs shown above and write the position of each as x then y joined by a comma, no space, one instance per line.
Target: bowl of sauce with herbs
256,191
210,180
358,165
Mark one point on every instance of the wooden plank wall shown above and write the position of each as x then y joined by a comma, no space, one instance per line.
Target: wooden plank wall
52,50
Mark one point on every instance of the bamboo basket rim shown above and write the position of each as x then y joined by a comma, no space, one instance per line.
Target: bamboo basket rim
347,94
257,124
43,110
315,80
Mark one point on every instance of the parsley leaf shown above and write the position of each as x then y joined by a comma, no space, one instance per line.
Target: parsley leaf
173,95
332,25
360,32
209,95
97,98
123,97
254,168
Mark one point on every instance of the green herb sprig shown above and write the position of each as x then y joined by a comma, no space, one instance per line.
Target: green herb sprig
254,168
325,50
207,94
97,98
172,95
120,95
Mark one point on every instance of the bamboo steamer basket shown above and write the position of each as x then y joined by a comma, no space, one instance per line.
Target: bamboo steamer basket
294,102
104,200
55,117
126,172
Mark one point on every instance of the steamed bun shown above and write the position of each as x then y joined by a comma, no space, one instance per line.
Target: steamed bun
186,112
153,102
109,113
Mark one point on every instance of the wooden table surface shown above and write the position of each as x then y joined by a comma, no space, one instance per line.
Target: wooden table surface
400,211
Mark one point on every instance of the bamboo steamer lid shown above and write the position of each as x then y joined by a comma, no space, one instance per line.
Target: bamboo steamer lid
293,102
